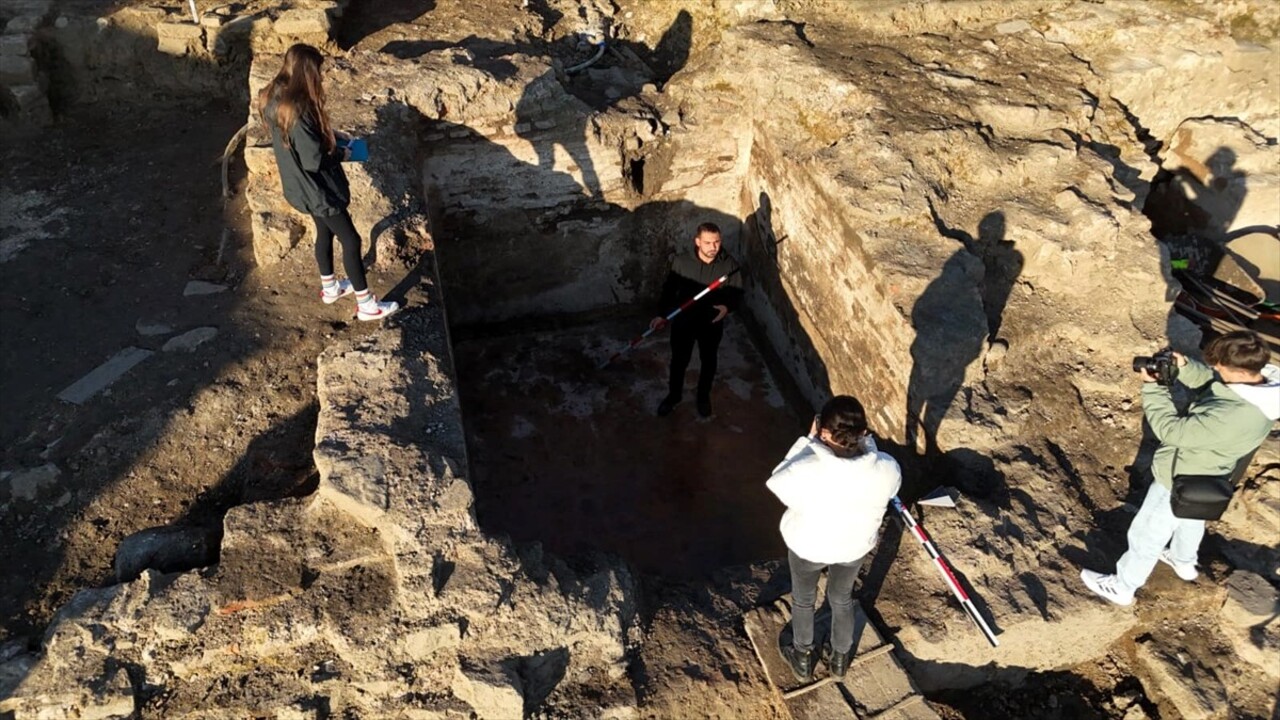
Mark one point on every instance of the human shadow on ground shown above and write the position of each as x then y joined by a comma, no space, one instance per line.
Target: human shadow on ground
362,19
601,88
541,117
956,318
276,464
1198,199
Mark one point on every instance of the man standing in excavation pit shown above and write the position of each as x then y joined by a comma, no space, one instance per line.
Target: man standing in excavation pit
703,323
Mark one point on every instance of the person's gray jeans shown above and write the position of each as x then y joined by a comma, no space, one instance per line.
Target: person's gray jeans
804,593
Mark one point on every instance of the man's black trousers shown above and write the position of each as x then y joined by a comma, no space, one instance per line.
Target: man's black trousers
683,337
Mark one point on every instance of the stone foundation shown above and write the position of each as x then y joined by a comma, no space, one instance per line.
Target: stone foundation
940,210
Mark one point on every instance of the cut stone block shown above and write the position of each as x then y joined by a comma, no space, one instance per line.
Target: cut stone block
33,104
767,626
26,485
15,45
190,340
103,375
824,701
1251,617
23,24
1251,600
166,549
33,8
913,708
1190,687
493,694
179,38
182,31
425,643
147,329
200,287
302,21
17,70
260,160
274,235
879,684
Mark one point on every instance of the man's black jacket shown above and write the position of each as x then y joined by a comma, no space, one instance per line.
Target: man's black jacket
689,276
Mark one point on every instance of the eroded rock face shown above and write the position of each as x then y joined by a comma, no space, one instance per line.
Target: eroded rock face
940,206
376,595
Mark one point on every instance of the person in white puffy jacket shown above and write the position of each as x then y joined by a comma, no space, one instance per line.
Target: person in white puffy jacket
836,486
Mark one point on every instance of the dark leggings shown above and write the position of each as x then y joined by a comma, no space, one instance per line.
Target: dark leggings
326,227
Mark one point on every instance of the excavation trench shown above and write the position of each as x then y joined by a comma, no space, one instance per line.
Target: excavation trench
573,456
552,249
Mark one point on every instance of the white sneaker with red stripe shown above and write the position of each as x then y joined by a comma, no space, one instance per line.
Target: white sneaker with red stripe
373,309
338,291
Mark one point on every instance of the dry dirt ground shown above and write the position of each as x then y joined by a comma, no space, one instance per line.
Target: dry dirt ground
107,217
679,496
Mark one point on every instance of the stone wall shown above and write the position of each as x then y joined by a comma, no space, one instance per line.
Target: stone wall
375,597
535,212
54,55
821,300
23,85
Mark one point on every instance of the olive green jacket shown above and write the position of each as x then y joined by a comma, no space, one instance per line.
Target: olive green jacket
1223,424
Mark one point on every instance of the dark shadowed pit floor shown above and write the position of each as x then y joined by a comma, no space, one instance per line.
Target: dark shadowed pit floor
573,456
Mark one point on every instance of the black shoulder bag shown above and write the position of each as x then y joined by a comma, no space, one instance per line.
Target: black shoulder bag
1204,497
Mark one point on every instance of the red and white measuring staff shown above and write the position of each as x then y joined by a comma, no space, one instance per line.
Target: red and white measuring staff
945,569
687,304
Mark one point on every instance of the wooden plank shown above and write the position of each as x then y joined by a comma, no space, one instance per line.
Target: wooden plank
912,708
878,685
825,702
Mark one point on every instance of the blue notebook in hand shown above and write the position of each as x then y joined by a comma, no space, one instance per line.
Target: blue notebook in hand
359,149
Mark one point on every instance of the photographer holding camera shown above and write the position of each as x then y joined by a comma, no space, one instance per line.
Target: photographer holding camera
1237,398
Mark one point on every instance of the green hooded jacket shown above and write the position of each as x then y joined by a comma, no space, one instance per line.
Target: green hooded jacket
1224,423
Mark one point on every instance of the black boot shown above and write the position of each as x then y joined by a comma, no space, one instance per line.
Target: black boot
837,662
667,405
801,663
704,406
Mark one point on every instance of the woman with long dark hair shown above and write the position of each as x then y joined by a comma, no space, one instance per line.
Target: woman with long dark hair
836,486
310,162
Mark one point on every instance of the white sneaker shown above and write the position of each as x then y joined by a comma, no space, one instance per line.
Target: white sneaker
341,290
1186,571
376,310
1106,587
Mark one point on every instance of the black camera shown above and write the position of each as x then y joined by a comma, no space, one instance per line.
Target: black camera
1162,366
